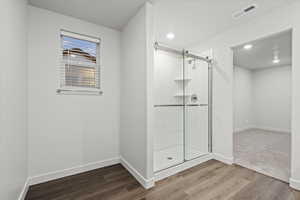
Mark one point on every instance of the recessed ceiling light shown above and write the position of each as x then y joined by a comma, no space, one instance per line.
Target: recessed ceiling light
170,36
248,46
276,61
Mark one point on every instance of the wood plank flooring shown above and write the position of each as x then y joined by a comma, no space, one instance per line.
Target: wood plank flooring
211,180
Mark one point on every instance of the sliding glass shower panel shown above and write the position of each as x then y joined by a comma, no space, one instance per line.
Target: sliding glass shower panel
196,108
168,110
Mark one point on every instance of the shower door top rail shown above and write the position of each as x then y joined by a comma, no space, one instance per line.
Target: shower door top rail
168,49
183,52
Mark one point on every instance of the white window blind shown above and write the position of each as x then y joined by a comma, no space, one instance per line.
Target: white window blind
80,64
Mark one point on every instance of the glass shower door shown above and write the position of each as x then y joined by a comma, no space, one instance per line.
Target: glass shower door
196,108
168,110
182,90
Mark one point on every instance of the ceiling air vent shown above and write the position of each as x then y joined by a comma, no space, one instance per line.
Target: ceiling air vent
244,11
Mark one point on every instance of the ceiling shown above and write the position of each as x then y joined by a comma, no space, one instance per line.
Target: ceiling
111,13
261,55
193,21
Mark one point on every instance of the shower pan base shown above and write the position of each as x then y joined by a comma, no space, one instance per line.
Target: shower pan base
181,167
172,156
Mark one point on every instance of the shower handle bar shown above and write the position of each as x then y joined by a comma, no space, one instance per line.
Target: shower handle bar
199,105
181,105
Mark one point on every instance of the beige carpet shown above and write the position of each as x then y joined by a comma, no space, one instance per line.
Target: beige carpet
264,151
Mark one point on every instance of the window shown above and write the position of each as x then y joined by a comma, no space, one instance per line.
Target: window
80,68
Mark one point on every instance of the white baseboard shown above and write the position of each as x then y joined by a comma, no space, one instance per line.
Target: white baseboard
273,129
224,159
71,171
24,190
262,128
186,165
262,171
237,130
146,183
295,184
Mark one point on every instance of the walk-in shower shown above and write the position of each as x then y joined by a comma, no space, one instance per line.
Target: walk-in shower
182,107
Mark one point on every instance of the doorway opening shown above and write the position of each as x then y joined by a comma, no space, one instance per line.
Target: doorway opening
262,105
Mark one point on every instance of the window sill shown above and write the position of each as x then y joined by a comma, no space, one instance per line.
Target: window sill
79,92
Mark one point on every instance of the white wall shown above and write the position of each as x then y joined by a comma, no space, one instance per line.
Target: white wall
272,98
243,99
134,139
69,130
13,98
286,18
262,98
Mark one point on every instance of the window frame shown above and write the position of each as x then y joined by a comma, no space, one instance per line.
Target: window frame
62,88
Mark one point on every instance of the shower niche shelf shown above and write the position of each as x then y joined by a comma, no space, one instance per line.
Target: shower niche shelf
183,79
182,95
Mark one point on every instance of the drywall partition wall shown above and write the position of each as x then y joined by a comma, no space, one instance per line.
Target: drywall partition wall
13,98
295,161
134,140
272,98
262,99
70,131
150,79
286,18
243,99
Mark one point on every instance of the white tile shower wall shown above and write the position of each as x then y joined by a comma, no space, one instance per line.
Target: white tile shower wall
196,133
168,127
167,68
196,118
168,121
197,72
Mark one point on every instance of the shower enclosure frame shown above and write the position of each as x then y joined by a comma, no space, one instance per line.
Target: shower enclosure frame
185,53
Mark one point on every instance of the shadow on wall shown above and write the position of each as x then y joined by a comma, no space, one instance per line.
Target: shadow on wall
221,71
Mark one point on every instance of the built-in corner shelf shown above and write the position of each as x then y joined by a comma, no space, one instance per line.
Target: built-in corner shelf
183,79
182,95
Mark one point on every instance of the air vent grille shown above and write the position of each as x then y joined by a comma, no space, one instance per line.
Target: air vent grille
244,11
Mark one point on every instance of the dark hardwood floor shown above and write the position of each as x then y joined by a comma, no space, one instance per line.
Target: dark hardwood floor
211,180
